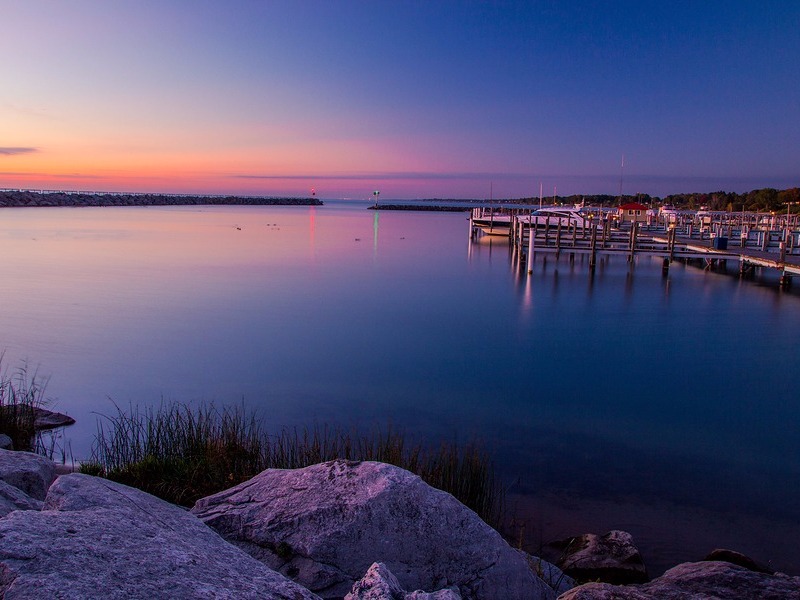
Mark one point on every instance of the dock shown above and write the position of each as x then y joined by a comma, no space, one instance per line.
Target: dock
751,244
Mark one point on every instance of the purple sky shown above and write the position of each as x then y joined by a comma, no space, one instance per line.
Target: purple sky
417,99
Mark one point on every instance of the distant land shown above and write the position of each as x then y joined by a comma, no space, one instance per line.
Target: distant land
765,200
31,198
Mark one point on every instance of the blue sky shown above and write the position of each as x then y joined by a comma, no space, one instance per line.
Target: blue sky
417,99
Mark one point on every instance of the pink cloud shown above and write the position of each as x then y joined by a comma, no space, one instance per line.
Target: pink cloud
14,151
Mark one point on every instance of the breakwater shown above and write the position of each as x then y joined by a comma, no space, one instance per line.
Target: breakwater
17,198
420,207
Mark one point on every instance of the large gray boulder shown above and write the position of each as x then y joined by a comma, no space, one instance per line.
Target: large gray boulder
28,472
707,580
380,584
12,499
611,558
99,539
326,524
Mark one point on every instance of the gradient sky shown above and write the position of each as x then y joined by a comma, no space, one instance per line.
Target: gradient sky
416,99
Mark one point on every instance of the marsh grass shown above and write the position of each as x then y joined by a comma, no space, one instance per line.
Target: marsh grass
182,453
21,393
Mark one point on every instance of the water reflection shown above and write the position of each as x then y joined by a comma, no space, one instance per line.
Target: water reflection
375,234
312,230
527,297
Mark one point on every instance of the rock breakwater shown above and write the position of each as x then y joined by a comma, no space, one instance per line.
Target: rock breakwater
18,198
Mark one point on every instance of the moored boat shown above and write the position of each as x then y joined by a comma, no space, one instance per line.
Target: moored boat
492,222
557,215
499,223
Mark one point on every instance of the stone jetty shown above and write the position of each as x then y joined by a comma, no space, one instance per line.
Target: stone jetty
9,198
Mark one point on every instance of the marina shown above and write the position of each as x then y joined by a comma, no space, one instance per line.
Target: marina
750,240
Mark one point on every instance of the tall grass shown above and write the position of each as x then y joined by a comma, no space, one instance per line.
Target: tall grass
21,393
181,454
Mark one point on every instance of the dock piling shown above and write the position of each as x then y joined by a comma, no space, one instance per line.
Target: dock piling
593,248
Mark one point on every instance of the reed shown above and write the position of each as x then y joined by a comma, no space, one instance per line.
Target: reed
182,453
21,393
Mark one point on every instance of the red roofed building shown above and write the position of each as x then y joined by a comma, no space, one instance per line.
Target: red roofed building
632,212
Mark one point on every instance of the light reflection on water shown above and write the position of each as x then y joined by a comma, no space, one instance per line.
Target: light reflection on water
675,397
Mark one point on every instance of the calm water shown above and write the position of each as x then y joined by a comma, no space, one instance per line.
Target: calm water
668,407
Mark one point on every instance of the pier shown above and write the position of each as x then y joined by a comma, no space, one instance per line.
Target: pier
751,240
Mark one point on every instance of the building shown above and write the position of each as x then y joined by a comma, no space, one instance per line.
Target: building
633,212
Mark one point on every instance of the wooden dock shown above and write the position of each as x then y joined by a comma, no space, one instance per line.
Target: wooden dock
750,247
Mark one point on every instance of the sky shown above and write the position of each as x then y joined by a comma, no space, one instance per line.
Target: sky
415,99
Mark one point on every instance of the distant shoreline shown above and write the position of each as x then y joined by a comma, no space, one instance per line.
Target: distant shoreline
421,207
36,199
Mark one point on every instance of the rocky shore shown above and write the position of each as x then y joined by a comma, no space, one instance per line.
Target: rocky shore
360,531
10,198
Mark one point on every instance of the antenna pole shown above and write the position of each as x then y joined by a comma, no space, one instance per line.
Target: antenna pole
621,169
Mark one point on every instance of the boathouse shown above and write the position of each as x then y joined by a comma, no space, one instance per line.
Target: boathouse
633,212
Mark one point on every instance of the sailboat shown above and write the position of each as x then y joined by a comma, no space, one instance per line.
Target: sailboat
491,221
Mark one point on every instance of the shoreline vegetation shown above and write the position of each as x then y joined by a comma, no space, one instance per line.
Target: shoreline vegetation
182,453
764,199
29,198
24,422
20,395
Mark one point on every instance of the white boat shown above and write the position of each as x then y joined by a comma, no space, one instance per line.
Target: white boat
494,223
555,215
668,209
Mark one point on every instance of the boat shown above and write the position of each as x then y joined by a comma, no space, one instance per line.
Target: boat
554,216
669,213
499,223
492,222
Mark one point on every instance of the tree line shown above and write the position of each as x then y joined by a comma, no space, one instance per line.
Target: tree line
763,200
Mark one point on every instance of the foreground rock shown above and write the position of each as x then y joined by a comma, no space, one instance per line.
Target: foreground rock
91,538
737,558
380,584
28,472
707,580
98,539
611,558
325,525
12,498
